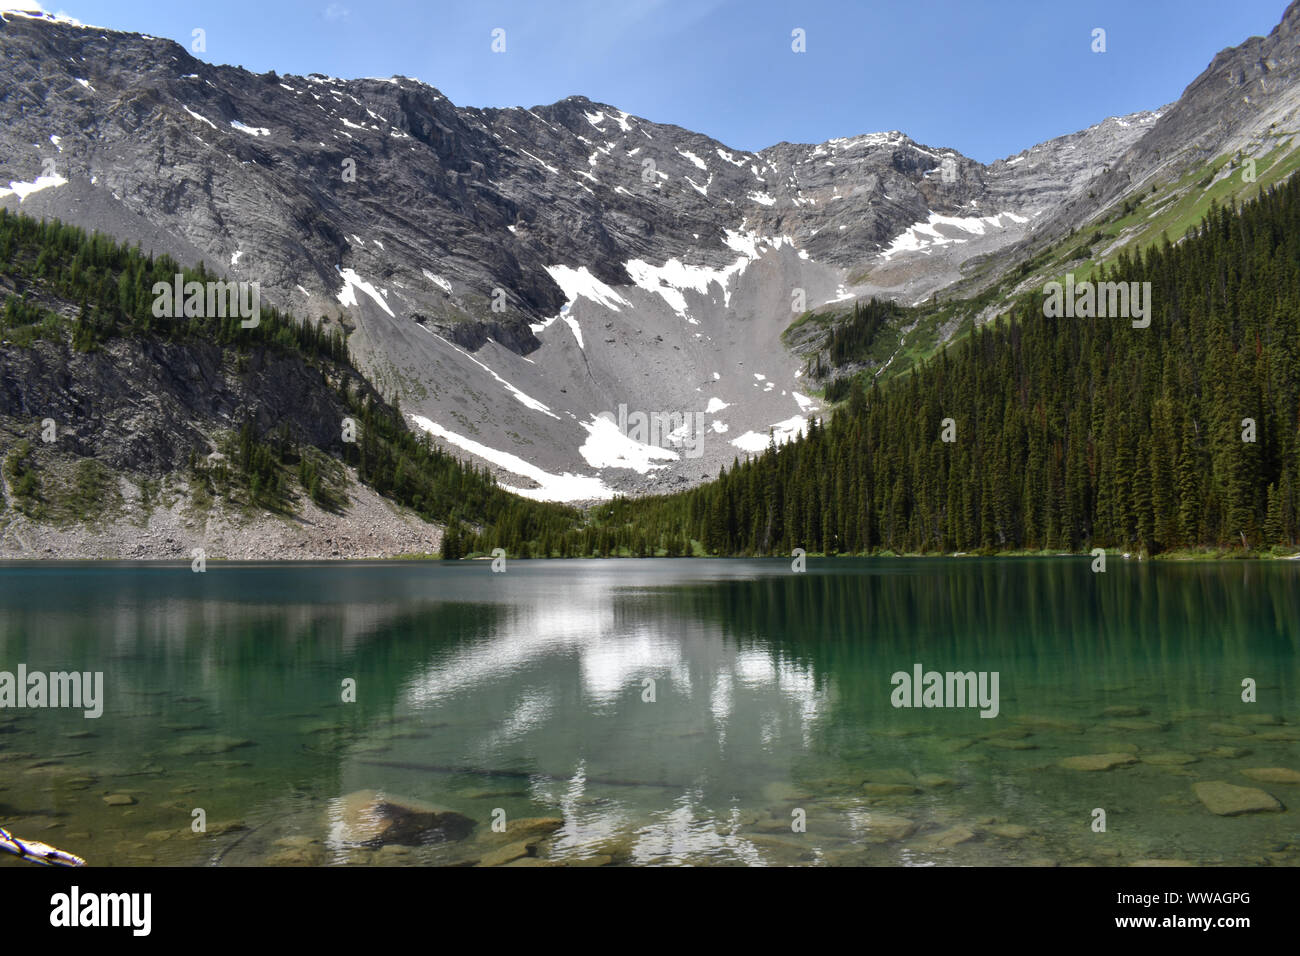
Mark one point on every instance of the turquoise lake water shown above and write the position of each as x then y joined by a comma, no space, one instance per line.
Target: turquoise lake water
525,695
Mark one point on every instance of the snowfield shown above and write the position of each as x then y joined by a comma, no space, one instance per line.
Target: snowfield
564,487
23,190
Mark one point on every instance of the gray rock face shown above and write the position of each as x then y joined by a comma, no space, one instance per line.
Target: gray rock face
1247,100
511,274
257,171
1244,92
1046,176
143,407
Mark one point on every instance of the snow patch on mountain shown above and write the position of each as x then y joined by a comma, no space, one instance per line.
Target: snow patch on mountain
23,190
250,130
607,447
674,277
353,282
926,235
437,280
687,154
572,323
551,487
782,432
199,116
581,284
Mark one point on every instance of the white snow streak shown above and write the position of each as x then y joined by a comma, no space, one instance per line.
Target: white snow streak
607,447
565,487
23,190
351,283
250,130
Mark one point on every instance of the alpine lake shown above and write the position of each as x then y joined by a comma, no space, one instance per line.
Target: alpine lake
657,712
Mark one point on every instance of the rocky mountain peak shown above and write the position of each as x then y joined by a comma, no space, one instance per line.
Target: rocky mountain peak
511,274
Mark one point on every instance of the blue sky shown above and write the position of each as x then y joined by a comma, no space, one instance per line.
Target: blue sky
986,77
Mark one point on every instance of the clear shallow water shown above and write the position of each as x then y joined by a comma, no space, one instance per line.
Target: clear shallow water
524,692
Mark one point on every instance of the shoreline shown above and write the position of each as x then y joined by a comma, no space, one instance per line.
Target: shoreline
9,561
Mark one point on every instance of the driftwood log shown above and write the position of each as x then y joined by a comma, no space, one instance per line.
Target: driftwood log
37,852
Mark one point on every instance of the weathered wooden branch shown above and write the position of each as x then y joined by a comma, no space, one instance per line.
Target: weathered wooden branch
37,852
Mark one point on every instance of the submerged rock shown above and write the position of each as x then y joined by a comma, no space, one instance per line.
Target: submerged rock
1279,733
1139,726
509,852
207,744
374,818
1062,725
1115,746
891,775
1098,761
309,730
889,789
1220,729
296,841
1170,758
887,827
224,764
782,850
1124,711
772,825
1263,720
1008,733
956,744
307,855
531,861
527,828
222,827
782,792
946,839
931,780
1230,800
1226,753
525,839
1010,831
1273,775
